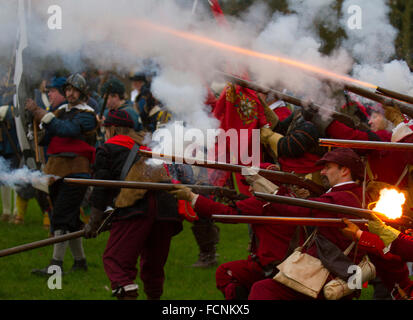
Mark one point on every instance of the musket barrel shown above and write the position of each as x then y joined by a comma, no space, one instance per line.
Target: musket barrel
394,95
152,186
307,221
41,243
359,212
404,108
358,144
274,176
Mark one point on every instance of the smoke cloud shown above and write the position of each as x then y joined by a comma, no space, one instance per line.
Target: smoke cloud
20,177
120,35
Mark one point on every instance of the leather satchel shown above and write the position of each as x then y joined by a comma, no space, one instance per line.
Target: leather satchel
338,288
303,272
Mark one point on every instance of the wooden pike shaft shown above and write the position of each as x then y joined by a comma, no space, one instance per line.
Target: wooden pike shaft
357,144
41,243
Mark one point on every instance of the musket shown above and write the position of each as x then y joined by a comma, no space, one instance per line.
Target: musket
394,95
272,175
105,102
359,144
42,243
311,204
404,108
287,98
305,221
202,189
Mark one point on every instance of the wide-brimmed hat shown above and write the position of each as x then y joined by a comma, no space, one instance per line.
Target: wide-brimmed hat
345,157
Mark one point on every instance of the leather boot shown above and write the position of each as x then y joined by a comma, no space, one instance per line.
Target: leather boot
207,237
79,265
129,292
44,272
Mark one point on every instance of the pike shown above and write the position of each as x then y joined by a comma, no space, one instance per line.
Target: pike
105,102
326,222
359,212
41,243
287,98
306,221
359,144
274,176
404,108
202,189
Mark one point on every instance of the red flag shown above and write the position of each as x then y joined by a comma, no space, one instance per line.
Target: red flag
237,108
217,12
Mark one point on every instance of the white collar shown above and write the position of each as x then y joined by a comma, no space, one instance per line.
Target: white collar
80,106
400,131
340,184
277,104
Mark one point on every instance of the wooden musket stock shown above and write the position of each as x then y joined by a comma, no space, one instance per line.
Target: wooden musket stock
274,176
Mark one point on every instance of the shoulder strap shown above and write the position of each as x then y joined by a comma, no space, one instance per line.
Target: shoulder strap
133,153
405,171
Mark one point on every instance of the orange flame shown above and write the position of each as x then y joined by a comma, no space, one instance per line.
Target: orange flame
390,203
251,53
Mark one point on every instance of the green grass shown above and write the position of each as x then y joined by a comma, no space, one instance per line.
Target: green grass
182,281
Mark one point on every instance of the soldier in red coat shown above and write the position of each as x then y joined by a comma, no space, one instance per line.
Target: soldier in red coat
273,241
269,245
386,124
342,167
389,249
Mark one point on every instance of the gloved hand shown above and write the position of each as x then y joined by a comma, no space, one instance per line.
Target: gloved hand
270,139
387,234
309,112
182,193
38,113
270,115
260,184
95,221
321,123
351,230
393,114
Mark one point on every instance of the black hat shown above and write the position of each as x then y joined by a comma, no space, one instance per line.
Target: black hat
119,118
113,85
139,76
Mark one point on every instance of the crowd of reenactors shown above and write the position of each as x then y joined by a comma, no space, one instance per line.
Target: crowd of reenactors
88,125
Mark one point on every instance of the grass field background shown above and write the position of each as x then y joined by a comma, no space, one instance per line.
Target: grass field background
182,281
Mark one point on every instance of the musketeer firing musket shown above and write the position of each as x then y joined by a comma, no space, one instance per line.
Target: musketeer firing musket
272,175
342,168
